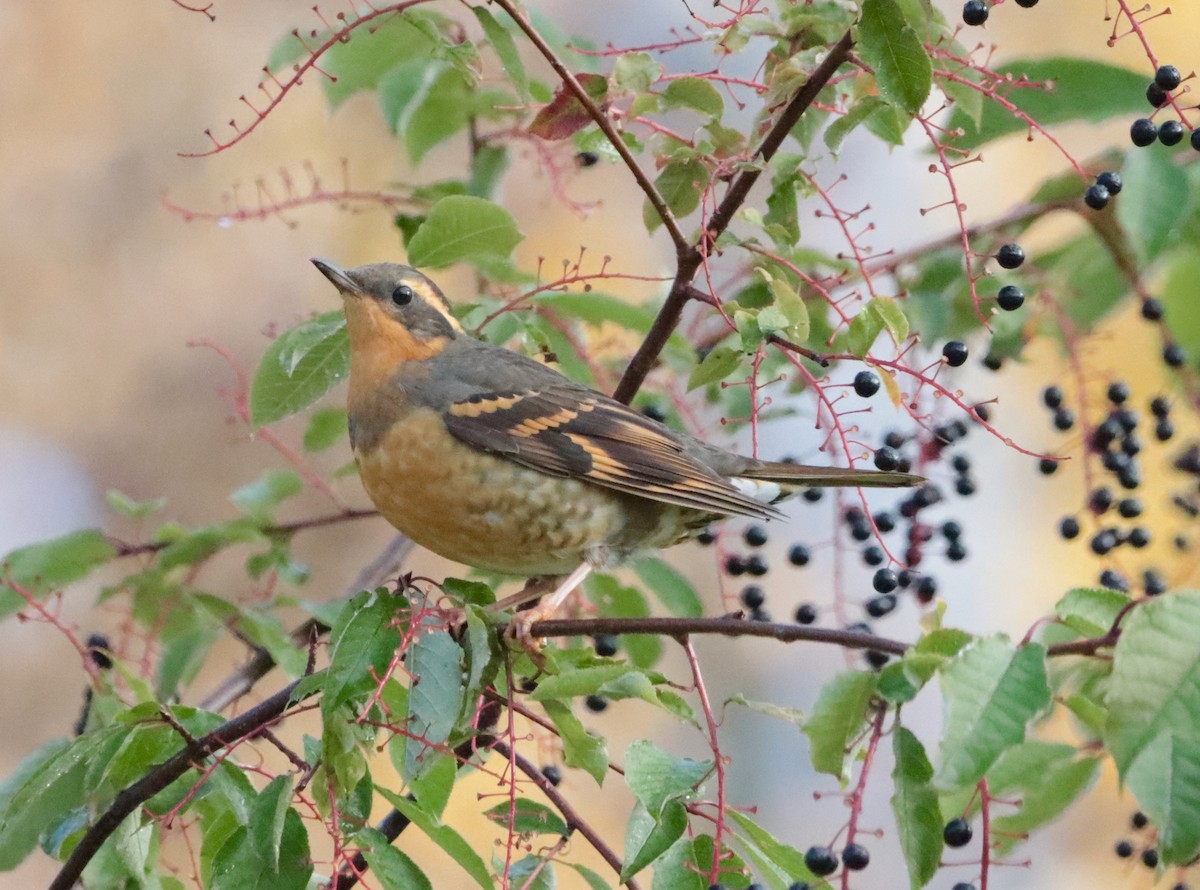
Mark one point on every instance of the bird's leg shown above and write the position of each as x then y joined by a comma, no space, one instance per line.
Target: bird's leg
523,621
534,589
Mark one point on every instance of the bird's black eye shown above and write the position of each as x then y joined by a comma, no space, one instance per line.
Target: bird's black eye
402,295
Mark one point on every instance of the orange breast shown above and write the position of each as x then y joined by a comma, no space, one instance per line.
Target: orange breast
484,510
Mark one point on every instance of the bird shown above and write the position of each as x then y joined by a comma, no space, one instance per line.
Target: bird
493,459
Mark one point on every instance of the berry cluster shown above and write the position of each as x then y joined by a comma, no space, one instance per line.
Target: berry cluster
1144,131
1146,850
1116,445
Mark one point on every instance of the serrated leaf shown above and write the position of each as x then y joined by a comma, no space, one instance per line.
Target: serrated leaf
461,227
259,498
992,689
715,367
636,71
780,862
1091,611
581,748
527,817
50,565
836,132
576,682
782,712
444,836
300,366
361,645
656,777
837,717
1154,716
506,50
865,327
391,867
565,115
671,589
915,803
681,183
435,697
648,836
695,93
1081,90
893,317
903,71
268,818
1163,199
1046,777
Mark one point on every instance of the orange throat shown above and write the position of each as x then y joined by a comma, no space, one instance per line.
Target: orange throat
379,345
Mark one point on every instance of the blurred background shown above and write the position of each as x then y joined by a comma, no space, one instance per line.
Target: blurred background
105,292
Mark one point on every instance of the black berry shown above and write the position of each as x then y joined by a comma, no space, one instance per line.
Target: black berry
1168,77
955,353
886,459
806,613
1111,181
1156,95
754,536
855,857
1052,397
1124,849
1096,196
873,555
866,384
734,565
706,537
1196,139
1069,527
885,580
1150,858
974,12
1143,132
1174,355
1171,132
820,861
1010,256
552,773
605,644
878,606
756,566
957,833
753,596
798,555
1010,297
596,703
1152,309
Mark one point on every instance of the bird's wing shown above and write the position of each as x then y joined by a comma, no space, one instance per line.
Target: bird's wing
563,429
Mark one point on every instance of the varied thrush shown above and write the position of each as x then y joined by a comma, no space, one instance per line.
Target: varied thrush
495,460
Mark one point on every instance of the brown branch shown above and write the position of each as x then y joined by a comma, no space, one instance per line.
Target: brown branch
726,626
691,258
574,821
243,726
285,528
604,122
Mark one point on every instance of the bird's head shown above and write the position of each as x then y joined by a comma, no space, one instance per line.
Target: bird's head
392,311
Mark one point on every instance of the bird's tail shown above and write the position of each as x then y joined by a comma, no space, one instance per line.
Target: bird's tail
792,476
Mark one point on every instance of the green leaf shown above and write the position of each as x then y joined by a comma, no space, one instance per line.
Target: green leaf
893,317
506,51
391,867
435,697
45,786
783,863
903,72
300,366
915,803
837,717
50,565
565,115
444,836
269,818
581,681
681,183
648,836
463,227
655,777
1047,778
1178,295
529,872
966,99
361,62
488,164
1161,187
716,366
865,327
361,645
679,868
239,863
199,544
843,126
695,93
325,428
527,817
122,503
992,689
593,880
1091,611
671,589
636,71
1153,727
581,749
260,498
1081,90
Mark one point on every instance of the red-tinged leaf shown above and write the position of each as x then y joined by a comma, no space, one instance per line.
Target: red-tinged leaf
565,115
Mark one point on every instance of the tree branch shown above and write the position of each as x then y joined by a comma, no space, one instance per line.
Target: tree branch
689,260
126,802
604,122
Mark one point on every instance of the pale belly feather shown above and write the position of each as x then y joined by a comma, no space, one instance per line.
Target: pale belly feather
491,513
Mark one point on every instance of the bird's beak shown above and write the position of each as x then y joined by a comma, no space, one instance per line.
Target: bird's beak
338,276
